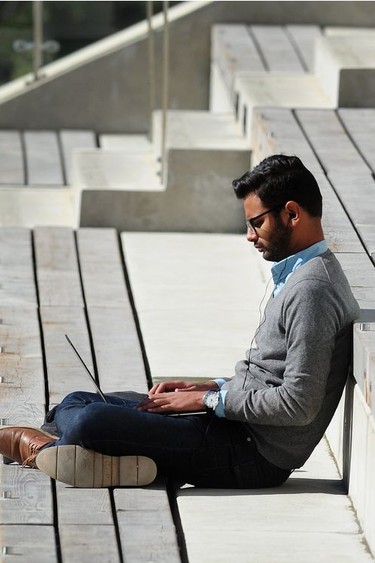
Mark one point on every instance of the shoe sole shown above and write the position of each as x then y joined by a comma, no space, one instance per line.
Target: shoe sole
79,467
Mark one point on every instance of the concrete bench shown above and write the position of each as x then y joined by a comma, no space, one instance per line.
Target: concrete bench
36,174
340,150
40,158
196,141
251,66
57,281
345,65
197,317
290,66
238,49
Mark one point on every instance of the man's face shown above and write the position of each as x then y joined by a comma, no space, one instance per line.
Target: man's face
271,233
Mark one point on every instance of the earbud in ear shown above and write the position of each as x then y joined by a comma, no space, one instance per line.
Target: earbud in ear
292,215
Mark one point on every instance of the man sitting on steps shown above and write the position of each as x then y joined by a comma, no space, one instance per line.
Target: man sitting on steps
258,425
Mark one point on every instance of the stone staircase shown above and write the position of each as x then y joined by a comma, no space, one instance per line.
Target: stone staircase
104,180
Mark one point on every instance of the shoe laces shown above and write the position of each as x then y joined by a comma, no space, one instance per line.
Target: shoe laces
35,445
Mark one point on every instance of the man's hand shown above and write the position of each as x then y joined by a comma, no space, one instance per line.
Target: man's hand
170,386
173,402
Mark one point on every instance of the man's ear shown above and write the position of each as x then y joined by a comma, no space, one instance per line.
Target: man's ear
293,210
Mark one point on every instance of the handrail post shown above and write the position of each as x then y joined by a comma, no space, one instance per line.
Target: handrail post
165,101
38,37
151,66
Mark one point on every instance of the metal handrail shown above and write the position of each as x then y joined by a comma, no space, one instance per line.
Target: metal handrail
151,65
165,94
38,38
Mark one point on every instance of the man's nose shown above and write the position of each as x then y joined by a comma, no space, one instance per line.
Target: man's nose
251,235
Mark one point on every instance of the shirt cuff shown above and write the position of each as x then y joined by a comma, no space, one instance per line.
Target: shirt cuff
219,410
219,382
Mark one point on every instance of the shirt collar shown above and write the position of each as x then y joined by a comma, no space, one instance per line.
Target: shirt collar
285,268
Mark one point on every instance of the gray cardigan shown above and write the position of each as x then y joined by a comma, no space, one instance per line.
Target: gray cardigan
288,388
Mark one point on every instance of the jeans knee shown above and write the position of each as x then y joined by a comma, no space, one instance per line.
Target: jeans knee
84,424
79,398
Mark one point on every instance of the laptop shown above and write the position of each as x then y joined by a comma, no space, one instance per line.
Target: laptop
101,392
87,370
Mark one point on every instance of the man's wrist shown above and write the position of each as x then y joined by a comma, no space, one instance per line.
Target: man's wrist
211,399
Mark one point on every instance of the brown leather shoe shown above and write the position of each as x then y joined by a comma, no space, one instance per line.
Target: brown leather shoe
22,444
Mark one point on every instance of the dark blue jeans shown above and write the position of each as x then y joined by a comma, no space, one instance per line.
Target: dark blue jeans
202,450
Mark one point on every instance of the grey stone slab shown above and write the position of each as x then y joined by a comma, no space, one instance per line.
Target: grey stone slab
369,512
357,193
304,37
64,370
83,543
26,496
221,100
102,268
43,159
115,338
29,543
57,270
234,50
131,143
309,517
246,546
275,131
277,50
277,90
196,178
363,355
83,506
71,141
367,233
197,298
118,353
338,229
348,31
345,65
360,272
331,143
15,411
359,453
140,509
199,130
107,169
30,206
21,364
360,124
17,284
11,158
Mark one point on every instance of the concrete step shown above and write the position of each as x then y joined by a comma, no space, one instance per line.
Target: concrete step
276,90
196,317
276,131
330,141
32,206
35,170
345,66
116,169
199,130
239,49
360,125
40,157
204,152
194,131
198,196
129,143
199,312
309,518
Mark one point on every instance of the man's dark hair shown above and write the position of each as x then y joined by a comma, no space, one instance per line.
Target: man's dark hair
278,179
